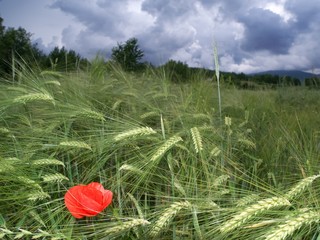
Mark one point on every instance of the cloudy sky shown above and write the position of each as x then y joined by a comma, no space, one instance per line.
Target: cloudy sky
250,35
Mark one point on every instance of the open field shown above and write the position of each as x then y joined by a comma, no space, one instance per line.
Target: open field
176,168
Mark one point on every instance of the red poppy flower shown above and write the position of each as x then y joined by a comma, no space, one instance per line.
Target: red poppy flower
87,200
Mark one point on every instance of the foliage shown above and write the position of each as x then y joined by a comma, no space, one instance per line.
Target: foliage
128,55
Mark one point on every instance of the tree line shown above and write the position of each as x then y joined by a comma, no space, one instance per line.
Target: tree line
16,44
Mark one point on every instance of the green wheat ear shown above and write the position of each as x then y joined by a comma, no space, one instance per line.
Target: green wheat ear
293,223
127,167
126,226
33,97
254,209
197,140
56,177
75,144
301,186
142,131
167,216
38,195
91,114
165,147
47,161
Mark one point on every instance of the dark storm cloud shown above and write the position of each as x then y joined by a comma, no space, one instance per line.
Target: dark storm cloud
306,13
251,35
100,16
265,30
104,24
167,9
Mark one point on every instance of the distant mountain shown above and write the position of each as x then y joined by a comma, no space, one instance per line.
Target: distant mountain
301,75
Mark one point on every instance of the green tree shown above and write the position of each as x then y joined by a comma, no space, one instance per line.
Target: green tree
128,55
1,27
63,59
15,44
178,71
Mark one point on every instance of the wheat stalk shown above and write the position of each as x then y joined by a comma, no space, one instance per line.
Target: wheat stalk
179,187
42,234
51,73
215,151
201,116
4,232
167,216
7,164
253,210
38,195
91,114
29,181
4,130
216,63
35,216
246,142
283,231
227,121
56,177
134,200
54,82
247,200
127,167
196,223
75,144
142,131
33,97
149,114
116,104
301,186
196,138
127,226
6,167
220,180
165,147
47,161
22,234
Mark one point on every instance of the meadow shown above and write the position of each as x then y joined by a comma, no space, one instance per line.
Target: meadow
177,168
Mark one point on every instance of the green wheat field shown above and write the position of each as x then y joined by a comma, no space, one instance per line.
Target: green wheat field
178,168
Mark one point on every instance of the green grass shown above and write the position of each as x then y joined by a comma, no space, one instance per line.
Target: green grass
176,170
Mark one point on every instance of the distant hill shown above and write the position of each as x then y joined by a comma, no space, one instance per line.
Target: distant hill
301,75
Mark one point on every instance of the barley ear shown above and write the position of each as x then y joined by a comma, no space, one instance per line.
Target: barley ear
142,131
165,147
33,97
197,140
126,226
254,209
283,231
301,186
167,217
56,177
75,144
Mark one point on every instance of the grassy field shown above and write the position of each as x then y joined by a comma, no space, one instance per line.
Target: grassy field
177,169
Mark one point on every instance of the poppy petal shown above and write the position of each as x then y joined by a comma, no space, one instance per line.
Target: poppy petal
83,201
107,194
97,186
107,198
91,200
71,200
87,200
